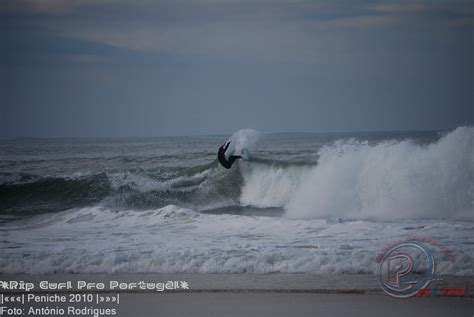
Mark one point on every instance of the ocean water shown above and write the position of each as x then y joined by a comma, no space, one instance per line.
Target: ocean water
313,203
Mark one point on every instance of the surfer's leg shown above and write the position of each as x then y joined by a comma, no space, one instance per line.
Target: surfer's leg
226,163
233,158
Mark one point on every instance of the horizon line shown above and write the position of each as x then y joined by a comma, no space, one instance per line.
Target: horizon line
225,134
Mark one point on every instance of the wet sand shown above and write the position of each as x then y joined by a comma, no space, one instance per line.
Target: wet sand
254,295
289,304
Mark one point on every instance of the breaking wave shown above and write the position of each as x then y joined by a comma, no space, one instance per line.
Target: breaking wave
391,179
351,179
98,239
170,219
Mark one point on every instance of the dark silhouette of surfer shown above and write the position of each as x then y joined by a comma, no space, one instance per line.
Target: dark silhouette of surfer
227,163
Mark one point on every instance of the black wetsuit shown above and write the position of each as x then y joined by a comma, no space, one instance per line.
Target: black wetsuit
227,163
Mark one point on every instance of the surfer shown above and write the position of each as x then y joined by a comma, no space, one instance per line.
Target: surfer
227,163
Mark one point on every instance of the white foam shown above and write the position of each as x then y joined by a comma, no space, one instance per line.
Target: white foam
352,180
270,186
175,239
145,183
388,180
242,142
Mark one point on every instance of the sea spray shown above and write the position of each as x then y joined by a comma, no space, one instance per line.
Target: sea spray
390,180
242,142
386,180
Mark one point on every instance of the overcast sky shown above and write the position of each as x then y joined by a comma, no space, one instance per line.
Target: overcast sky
90,68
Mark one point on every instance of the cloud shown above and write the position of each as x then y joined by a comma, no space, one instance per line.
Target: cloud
365,21
433,12
49,7
189,64
269,31
396,8
28,47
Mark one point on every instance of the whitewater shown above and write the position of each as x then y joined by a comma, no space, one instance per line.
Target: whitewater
312,203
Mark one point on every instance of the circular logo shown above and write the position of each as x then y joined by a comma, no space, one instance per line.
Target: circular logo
405,268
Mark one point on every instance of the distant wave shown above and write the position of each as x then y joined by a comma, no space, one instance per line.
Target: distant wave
202,187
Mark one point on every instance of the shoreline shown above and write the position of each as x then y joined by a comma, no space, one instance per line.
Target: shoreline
240,294
364,284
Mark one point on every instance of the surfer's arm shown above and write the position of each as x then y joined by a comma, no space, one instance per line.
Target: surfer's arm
226,145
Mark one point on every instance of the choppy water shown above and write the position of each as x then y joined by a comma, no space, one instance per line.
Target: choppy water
302,203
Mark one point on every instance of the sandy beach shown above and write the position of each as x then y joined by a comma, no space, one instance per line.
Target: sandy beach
289,304
252,295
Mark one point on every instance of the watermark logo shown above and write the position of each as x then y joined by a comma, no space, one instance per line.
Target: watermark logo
406,268
397,273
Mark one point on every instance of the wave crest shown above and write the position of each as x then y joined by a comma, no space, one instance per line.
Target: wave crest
388,180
